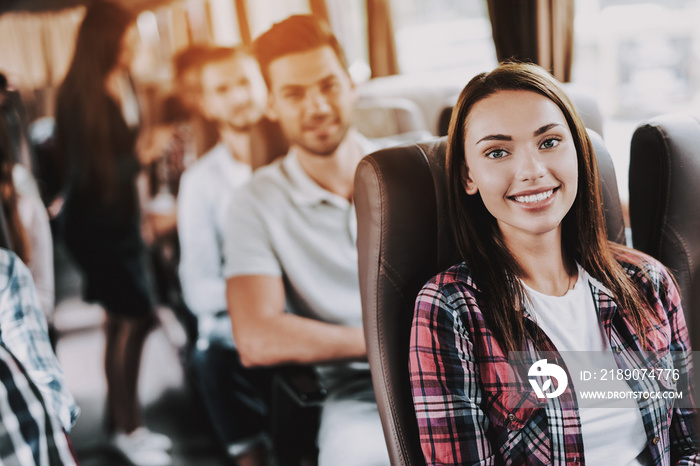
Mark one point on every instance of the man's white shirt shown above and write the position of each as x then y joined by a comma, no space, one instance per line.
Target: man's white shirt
206,189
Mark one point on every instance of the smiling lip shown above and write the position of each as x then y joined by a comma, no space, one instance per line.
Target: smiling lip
534,197
321,126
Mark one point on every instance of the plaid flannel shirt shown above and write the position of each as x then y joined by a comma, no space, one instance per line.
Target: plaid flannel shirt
458,373
35,405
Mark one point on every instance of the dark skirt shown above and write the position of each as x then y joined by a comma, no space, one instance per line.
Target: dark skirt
115,265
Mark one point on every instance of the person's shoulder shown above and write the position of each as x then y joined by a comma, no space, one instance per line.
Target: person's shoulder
12,269
453,282
206,164
634,261
204,177
641,267
268,181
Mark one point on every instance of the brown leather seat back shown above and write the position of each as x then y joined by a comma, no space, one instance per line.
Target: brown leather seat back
405,238
665,200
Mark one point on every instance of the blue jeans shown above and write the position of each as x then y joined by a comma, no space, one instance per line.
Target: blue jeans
235,397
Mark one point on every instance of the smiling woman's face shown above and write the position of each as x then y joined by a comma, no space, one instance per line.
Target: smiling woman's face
522,160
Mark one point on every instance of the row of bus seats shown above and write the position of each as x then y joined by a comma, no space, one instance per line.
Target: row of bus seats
404,239
393,105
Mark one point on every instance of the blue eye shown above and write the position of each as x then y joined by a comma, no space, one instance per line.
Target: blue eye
550,143
496,154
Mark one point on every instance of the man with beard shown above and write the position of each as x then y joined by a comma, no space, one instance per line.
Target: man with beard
233,95
291,260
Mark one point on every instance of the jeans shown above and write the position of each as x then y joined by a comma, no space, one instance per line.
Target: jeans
235,397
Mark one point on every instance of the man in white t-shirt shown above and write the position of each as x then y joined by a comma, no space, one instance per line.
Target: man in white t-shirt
233,95
291,259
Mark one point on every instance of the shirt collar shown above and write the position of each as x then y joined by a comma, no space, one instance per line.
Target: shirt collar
306,191
232,167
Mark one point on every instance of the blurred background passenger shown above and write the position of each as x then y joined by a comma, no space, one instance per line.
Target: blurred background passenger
103,150
202,133
27,221
233,95
14,116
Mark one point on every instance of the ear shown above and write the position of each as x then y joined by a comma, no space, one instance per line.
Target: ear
469,186
270,108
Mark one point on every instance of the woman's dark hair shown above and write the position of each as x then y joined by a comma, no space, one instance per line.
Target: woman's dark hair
479,238
9,199
82,106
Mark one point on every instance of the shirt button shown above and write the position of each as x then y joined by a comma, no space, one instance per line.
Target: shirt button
618,350
511,417
655,441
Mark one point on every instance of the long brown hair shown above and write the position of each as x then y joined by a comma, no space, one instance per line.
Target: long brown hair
9,198
84,136
479,238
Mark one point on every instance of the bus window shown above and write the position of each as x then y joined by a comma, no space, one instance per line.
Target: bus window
444,35
640,59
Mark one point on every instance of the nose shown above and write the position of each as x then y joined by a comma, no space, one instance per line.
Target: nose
531,165
239,94
316,102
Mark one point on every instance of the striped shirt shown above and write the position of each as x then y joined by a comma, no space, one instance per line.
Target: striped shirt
36,410
459,373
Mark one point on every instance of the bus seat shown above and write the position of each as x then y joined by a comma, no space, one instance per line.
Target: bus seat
404,238
429,95
664,194
386,117
584,103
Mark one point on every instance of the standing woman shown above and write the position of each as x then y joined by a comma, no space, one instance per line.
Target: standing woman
540,278
103,150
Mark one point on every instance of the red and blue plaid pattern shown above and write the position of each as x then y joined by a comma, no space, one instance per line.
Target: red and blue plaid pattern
460,378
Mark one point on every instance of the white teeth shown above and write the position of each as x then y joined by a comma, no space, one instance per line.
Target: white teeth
534,197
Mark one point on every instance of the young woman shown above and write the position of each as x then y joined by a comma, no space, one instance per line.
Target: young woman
103,150
539,278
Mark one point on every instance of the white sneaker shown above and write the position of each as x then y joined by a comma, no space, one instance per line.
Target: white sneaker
139,453
154,440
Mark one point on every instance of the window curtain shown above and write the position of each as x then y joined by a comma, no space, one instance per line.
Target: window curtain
539,31
36,51
243,26
380,34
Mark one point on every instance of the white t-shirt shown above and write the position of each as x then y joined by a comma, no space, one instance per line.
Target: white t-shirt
611,435
206,189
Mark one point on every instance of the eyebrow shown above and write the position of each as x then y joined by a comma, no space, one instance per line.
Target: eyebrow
545,128
503,137
319,82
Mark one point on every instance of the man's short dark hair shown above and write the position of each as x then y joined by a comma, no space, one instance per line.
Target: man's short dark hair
296,34
196,57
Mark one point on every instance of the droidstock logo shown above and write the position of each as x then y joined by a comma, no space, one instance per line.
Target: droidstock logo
542,369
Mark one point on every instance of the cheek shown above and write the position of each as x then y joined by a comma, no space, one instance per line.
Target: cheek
569,170
491,180
289,117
